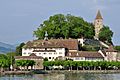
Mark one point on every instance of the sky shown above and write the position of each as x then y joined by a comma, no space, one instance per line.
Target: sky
19,18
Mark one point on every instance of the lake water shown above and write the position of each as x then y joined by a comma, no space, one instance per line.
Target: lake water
65,76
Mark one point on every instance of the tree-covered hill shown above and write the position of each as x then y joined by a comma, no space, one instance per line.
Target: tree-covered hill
65,26
4,48
69,26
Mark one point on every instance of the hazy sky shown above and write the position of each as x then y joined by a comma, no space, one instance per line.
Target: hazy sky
19,18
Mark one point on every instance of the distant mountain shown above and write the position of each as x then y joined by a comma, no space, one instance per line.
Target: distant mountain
4,48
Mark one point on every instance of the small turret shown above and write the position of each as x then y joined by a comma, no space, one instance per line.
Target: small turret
46,36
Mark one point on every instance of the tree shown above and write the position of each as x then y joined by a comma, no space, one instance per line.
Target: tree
117,48
46,59
4,63
106,34
11,58
25,63
19,49
65,26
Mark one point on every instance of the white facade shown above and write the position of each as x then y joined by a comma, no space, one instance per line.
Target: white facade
78,58
111,56
86,59
50,53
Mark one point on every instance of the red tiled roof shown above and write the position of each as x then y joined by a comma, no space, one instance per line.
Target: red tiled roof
110,49
71,44
85,54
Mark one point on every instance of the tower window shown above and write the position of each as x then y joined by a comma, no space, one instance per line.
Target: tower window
45,48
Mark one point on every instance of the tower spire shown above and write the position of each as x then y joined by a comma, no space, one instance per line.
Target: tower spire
98,24
98,16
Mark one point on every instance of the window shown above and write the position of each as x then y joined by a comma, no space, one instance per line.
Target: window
81,58
49,57
59,48
44,53
45,48
28,53
77,58
60,52
24,53
50,53
77,54
55,53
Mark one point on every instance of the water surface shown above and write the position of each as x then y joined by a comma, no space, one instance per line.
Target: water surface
65,76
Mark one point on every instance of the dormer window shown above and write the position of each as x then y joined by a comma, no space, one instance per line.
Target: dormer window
77,54
69,54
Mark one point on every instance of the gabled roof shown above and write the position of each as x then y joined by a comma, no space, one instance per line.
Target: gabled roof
71,44
85,54
110,49
98,15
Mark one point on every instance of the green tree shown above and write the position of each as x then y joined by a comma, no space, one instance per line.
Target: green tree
65,26
106,34
25,63
19,49
117,48
3,56
4,63
45,59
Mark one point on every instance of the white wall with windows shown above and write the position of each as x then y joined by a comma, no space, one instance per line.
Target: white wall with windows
50,53
86,59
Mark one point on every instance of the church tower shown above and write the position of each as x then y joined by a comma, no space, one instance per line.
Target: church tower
98,24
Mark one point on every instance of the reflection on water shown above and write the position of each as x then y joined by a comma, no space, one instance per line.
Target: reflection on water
65,76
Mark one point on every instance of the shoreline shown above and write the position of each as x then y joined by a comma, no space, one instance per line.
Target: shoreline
84,71
59,71
14,72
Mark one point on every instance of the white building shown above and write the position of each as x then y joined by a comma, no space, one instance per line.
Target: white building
51,49
85,56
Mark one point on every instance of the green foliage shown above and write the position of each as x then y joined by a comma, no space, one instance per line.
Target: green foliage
19,49
2,56
84,64
45,59
65,26
117,48
4,63
106,34
10,57
90,48
24,63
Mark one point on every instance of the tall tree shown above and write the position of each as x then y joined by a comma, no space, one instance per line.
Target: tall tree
65,26
117,48
106,34
19,49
